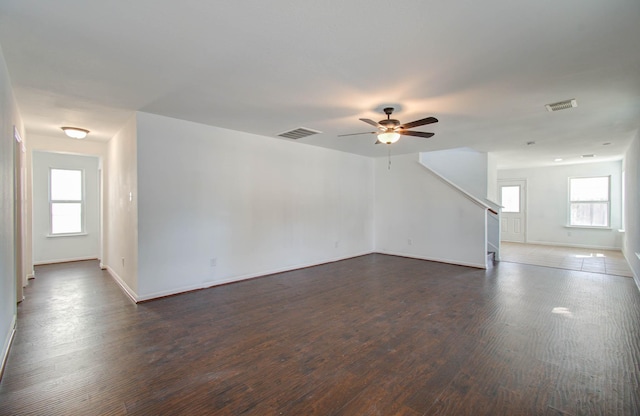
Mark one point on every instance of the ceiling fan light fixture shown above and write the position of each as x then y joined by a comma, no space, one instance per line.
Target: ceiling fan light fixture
75,132
389,137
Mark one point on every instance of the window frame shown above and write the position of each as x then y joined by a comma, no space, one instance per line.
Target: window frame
571,202
81,201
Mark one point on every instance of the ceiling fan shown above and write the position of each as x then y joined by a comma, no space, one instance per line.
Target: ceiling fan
390,130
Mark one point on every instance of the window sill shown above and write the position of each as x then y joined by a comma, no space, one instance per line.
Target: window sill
588,227
66,235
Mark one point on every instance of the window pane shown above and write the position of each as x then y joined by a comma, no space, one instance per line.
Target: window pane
590,214
66,185
66,218
590,189
600,214
510,198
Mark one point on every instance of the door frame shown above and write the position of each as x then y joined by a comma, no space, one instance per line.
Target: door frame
19,213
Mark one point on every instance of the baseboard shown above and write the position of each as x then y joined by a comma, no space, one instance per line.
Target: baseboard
44,262
636,277
125,288
553,244
7,345
233,279
184,289
436,259
205,285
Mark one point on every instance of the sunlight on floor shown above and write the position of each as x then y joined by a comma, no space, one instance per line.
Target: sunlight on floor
583,256
570,258
562,311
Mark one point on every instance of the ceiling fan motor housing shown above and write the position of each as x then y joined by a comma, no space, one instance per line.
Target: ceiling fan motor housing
389,123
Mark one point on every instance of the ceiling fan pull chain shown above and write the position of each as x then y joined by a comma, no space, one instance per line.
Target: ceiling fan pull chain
389,148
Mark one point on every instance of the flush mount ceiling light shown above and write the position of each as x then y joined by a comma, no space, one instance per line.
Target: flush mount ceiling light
75,132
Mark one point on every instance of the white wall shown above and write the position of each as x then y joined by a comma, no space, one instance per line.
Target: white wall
464,167
418,215
9,117
250,204
631,244
48,249
547,205
120,208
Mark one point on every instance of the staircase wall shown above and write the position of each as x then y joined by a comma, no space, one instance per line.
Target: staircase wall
419,215
465,167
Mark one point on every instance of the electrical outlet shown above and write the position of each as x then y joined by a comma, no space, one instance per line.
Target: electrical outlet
213,262
337,244
410,242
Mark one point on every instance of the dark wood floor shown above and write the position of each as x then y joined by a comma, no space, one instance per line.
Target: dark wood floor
374,335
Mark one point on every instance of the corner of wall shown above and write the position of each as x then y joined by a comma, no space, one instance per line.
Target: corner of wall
120,212
631,238
7,345
131,294
9,289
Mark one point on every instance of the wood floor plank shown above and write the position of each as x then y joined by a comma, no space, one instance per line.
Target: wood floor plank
373,335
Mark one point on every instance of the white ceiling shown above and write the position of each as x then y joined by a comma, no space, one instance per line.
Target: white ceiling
485,69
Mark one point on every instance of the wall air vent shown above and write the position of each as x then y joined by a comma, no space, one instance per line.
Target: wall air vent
299,133
562,105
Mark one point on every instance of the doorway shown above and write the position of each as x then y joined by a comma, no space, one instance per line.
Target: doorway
66,207
513,225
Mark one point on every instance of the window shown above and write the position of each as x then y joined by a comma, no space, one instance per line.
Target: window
510,198
589,201
66,201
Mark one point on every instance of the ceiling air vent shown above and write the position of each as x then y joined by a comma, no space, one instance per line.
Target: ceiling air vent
562,105
299,133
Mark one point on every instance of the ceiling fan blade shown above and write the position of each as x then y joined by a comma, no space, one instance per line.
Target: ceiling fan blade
355,134
416,134
368,121
420,122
